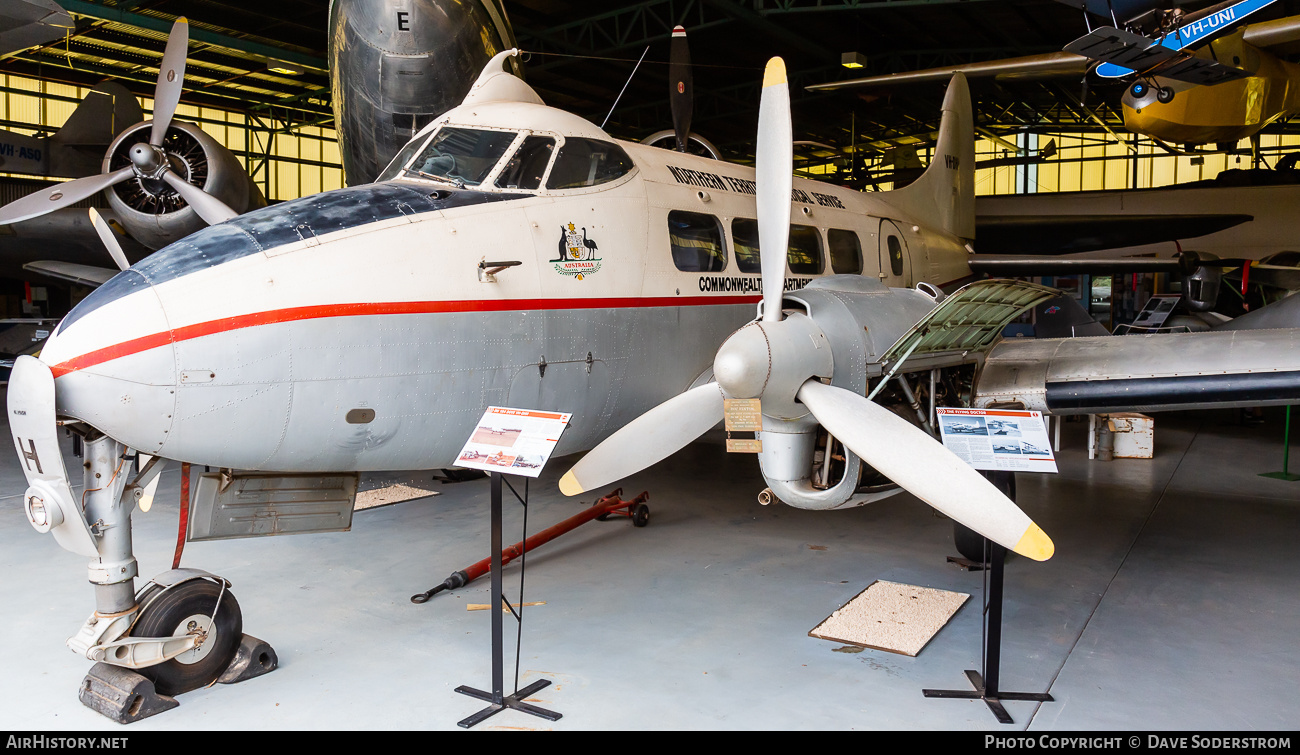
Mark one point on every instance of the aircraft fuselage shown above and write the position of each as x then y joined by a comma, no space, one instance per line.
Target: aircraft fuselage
250,344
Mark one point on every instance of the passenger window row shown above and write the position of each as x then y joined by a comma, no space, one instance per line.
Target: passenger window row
699,246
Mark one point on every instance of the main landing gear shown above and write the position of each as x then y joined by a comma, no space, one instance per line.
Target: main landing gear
182,631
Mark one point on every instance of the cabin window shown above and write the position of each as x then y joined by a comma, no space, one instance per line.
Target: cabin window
744,241
846,252
463,156
696,241
895,248
588,162
527,165
805,252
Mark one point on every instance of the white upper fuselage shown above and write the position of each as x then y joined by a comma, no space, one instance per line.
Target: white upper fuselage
247,344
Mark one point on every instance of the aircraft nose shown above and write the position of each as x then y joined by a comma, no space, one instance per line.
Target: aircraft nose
113,363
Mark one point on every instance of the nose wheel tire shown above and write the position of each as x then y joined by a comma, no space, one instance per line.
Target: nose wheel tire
187,609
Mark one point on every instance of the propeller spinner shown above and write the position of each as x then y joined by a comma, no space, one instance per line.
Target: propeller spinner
782,361
148,161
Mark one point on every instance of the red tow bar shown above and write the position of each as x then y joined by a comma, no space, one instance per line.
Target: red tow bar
611,505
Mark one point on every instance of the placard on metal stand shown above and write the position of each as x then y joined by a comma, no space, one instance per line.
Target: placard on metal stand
520,441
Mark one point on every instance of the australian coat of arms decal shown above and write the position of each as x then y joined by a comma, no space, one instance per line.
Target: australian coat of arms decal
579,255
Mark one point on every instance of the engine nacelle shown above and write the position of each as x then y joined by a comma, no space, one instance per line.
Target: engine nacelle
1201,285
860,318
150,210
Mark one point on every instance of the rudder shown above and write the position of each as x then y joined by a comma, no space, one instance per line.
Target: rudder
945,192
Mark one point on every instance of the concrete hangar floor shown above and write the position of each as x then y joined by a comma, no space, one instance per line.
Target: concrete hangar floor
1171,603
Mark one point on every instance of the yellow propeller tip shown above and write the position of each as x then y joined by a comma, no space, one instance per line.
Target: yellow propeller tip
1035,544
182,20
569,484
774,74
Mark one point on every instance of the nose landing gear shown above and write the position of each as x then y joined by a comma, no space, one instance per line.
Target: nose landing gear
183,630
190,620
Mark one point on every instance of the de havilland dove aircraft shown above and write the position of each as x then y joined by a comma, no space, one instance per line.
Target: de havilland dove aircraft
513,254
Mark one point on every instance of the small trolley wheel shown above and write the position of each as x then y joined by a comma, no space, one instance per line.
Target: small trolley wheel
601,517
184,609
640,515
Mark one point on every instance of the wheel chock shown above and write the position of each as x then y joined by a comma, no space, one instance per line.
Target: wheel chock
253,658
122,694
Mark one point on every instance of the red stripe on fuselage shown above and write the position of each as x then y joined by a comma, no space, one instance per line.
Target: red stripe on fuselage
225,324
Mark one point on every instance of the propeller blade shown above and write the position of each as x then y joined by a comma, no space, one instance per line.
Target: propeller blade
774,174
211,209
171,80
921,465
60,196
680,80
652,437
110,241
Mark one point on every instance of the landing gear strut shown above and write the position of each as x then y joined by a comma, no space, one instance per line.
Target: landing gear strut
183,630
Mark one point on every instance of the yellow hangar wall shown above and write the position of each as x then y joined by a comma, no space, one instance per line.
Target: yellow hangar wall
286,162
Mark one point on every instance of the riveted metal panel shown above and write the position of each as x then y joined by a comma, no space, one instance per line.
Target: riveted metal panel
256,505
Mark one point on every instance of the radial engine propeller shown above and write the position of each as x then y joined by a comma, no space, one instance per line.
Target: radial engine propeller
166,178
783,360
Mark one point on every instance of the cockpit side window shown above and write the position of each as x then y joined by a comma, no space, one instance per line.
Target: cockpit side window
588,162
528,164
462,155
394,168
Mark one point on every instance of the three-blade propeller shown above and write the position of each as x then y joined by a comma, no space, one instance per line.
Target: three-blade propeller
147,160
744,368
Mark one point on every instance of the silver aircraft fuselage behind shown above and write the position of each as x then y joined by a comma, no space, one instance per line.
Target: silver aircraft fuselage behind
395,65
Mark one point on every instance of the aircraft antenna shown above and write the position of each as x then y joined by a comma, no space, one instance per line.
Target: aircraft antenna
624,89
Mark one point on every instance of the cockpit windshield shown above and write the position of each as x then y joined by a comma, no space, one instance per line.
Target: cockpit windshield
459,156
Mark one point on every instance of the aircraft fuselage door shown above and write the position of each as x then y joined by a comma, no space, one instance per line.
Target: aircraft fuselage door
894,259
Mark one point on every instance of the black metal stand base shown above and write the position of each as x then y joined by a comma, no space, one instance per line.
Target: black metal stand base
497,698
515,702
966,563
981,693
986,684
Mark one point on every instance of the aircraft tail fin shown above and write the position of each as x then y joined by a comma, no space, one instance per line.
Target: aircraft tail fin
105,112
77,149
946,190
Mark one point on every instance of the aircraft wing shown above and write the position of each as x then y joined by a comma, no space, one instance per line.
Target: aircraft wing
1046,64
1143,373
27,23
63,236
84,275
1273,33
1069,234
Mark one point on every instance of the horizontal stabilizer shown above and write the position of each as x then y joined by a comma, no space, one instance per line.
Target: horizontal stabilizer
84,275
1122,53
1069,234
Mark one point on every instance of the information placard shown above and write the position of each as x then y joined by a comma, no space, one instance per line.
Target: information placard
513,441
998,439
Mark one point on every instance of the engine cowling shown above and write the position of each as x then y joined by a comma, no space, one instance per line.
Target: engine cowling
150,210
1201,285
